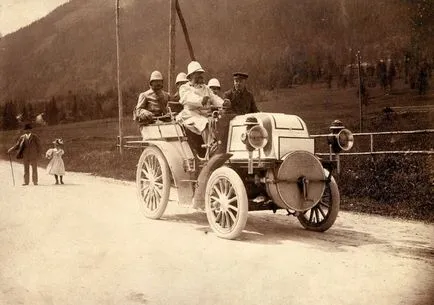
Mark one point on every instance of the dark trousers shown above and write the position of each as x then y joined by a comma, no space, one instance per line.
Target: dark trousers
34,165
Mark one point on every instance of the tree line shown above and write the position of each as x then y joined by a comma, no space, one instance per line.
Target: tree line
62,109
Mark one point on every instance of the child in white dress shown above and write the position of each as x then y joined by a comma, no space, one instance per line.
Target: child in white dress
56,166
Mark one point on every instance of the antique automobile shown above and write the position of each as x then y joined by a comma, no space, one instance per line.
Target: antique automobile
263,161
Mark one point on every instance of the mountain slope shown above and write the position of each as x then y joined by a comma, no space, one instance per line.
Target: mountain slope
73,48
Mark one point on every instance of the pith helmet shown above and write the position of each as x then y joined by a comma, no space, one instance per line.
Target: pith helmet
214,82
181,77
194,66
156,75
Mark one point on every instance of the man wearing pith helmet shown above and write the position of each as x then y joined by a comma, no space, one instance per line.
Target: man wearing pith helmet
152,102
241,99
197,97
214,85
181,79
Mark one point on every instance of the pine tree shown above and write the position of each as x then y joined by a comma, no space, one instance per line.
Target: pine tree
30,111
52,112
74,111
25,113
9,116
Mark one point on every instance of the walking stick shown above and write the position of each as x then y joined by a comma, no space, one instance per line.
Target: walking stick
12,169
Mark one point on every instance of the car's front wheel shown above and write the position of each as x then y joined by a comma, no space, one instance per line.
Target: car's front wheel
226,203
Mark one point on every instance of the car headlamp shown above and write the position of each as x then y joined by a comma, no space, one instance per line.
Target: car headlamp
257,137
345,139
340,139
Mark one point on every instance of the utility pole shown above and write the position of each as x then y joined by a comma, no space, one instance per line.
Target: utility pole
120,105
360,92
184,29
172,46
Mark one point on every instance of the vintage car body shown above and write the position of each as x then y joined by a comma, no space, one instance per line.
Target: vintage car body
263,161
288,133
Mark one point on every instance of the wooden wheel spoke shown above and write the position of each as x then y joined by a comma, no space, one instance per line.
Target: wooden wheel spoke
311,215
217,191
215,199
321,211
157,193
221,187
223,220
231,191
145,172
232,216
219,216
234,208
229,219
226,186
325,204
316,215
232,200
159,185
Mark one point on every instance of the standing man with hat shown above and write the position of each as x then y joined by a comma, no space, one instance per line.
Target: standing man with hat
197,99
29,149
241,99
152,102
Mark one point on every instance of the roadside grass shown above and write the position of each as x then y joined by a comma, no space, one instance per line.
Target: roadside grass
90,147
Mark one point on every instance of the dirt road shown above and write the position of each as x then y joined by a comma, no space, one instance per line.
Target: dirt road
86,243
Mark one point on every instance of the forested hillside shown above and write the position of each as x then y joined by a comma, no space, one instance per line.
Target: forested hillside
73,48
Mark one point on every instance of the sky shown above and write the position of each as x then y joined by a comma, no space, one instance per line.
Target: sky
15,14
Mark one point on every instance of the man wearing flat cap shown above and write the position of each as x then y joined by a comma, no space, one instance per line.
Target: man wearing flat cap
241,99
29,149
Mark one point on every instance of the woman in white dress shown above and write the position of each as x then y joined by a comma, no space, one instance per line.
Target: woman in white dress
56,166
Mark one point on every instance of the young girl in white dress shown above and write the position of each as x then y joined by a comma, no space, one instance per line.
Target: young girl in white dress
56,166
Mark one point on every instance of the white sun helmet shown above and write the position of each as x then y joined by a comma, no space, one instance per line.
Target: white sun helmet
156,75
194,66
214,82
181,77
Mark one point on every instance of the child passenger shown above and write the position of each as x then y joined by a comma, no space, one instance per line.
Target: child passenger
56,166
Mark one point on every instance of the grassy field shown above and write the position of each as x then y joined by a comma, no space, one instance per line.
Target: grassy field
91,146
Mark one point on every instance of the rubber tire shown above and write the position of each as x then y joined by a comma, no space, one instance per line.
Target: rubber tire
165,173
332,214
242,202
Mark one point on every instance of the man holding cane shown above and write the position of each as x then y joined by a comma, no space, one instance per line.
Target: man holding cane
28,148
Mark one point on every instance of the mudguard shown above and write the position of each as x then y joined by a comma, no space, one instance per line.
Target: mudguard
215,162
175,154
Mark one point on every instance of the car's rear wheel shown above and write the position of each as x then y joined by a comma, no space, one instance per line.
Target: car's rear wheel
323,215
226,203
153,182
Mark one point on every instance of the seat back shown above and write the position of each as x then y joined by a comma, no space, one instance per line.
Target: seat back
162,131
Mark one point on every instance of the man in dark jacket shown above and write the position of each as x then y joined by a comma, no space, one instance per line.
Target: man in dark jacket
241,99
29,149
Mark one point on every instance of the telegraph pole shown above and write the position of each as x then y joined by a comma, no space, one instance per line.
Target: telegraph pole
184,29
360,92
172,44
120,105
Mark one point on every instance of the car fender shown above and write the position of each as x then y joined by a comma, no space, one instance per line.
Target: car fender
174,154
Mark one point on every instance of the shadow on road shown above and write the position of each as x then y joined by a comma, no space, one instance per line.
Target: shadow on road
275,229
